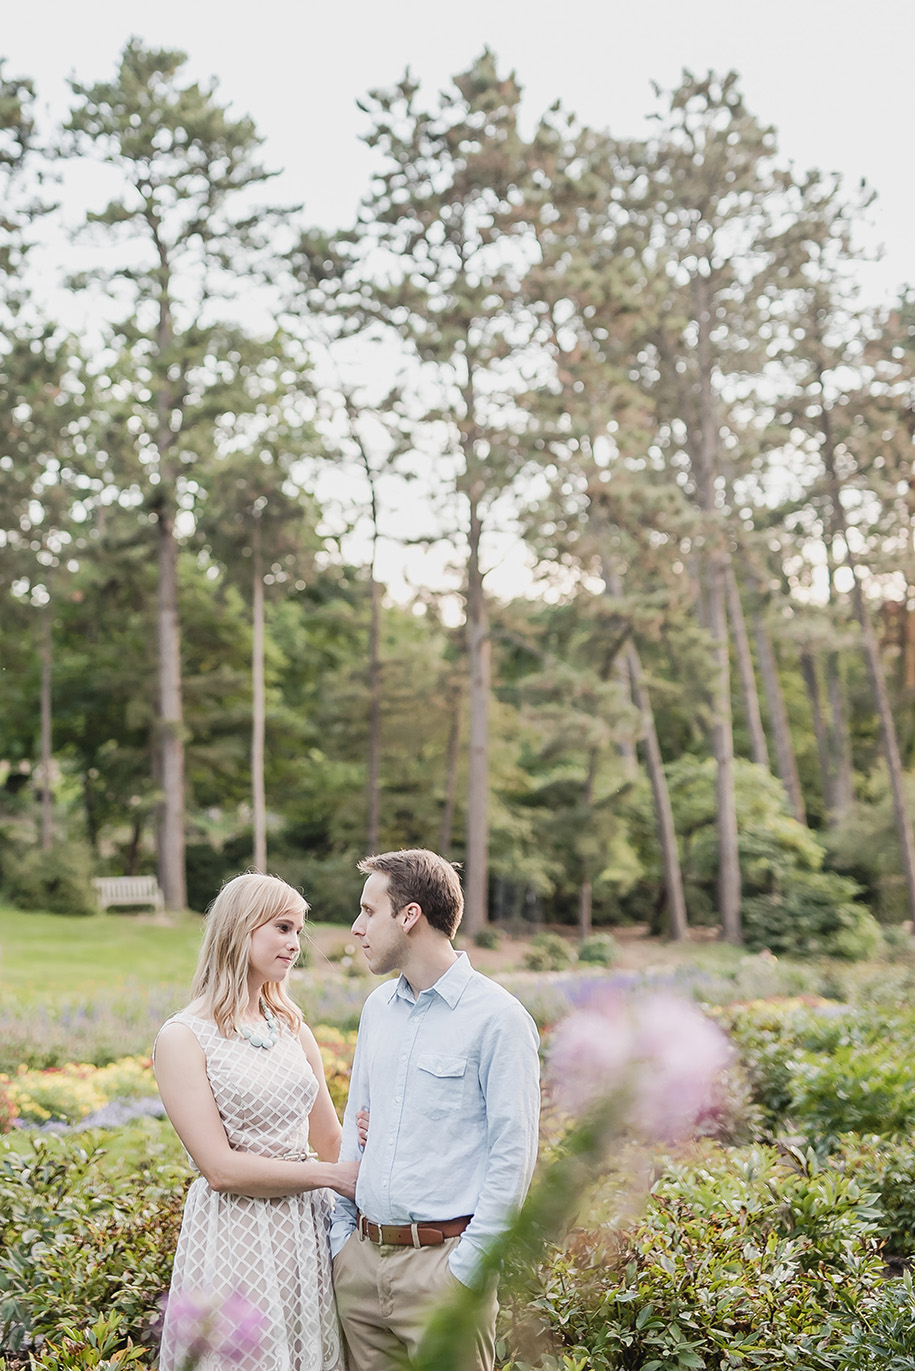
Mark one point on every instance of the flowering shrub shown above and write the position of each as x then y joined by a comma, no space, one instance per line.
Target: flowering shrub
337,1048
73,1092
9,1110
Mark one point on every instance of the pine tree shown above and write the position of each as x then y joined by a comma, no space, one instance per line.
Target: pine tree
182,237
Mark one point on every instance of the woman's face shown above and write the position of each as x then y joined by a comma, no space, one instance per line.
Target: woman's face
275,947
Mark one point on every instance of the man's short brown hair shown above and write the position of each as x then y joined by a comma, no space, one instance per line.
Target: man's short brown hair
418,876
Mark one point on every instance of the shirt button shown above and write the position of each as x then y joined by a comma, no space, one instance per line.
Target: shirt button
404,1057
397,1099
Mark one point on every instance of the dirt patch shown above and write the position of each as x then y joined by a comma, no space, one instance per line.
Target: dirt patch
636,946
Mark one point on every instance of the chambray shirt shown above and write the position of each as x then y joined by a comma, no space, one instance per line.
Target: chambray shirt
451,1081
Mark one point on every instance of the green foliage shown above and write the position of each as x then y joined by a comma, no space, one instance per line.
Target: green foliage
488,937
858,1088
740,1259
887,1167
813,914
547,952
104,1346
59,880
77,1243
828,1072
883,1332
789,904
600,949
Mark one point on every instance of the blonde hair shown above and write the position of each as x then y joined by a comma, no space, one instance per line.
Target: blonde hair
243,904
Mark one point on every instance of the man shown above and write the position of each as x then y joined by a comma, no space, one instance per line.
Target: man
447,1065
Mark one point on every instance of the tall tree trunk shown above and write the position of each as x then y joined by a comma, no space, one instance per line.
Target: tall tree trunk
133,850
259,708
759,750
664,816
171,722
626,744
723,751
478,647
47,801
715,570
454,738
374,776
785,760
170,831
373,783
840,738
874,670
586,888
820,732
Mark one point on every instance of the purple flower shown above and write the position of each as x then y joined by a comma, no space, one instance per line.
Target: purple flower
657,1058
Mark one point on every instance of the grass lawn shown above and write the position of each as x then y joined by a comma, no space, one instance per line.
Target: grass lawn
60,954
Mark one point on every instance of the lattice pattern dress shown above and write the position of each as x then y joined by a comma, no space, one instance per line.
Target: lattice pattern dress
275,1252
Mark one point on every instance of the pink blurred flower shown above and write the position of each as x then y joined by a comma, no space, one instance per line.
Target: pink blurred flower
199,1323
658,1058
238,1328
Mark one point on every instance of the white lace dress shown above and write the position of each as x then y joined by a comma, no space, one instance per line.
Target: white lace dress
273,1252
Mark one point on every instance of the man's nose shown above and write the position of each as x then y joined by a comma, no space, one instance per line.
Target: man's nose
357,926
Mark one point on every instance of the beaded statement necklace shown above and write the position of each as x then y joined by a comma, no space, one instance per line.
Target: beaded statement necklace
260,1039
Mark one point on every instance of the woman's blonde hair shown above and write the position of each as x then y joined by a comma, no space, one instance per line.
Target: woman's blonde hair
243,904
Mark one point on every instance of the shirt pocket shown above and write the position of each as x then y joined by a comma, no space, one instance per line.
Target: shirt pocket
439,1085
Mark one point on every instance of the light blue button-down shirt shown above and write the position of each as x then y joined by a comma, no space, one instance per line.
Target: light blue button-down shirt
451,1081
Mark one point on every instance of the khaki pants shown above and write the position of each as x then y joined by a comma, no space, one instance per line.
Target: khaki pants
385,1296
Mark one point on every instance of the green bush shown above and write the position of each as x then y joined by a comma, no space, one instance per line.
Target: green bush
882,1337
815,914
103,1346
600,949
829,1070
858,1089
59,881
76,1244
888,1168
488,938
742,1262
547,952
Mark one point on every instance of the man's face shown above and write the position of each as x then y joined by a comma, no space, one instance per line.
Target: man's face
379,927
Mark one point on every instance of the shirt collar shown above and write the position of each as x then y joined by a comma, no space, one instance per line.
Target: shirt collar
450,985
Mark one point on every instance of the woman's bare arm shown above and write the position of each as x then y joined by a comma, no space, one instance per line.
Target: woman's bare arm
188,1098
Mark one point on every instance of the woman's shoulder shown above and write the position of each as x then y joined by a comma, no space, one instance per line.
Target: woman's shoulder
193,1021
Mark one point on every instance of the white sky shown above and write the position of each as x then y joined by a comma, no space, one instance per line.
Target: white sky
834,77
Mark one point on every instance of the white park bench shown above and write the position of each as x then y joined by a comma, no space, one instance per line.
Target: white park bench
121,890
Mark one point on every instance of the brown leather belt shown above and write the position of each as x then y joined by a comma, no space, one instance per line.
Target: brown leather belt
429,1233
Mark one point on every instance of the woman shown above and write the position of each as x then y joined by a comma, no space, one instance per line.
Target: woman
242,1081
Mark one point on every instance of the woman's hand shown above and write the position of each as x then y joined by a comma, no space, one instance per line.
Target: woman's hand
362,1126
343,1178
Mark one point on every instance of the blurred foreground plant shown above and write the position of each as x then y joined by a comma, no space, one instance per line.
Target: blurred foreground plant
202,1325
646,1067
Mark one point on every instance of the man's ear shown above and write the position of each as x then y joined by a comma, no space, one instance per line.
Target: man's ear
411,913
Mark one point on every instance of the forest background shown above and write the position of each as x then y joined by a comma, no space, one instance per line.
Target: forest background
641,363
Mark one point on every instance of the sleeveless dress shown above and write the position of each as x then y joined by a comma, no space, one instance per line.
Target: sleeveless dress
273,1252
